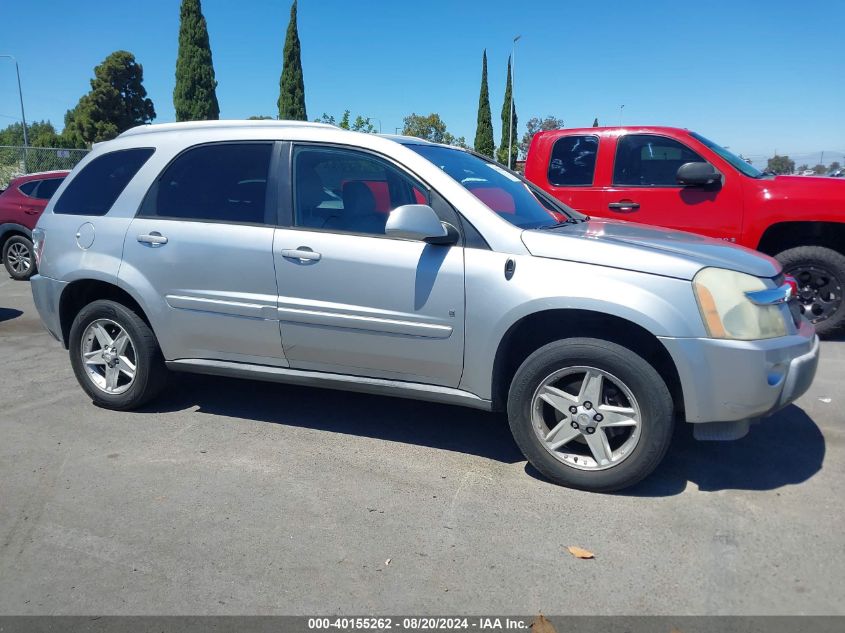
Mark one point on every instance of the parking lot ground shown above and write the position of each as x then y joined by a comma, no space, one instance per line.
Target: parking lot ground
236,497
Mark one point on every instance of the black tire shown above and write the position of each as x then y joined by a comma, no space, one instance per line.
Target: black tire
150,370
646,385
822,305
19,258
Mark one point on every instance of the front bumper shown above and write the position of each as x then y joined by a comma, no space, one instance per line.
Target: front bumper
727,381
46,293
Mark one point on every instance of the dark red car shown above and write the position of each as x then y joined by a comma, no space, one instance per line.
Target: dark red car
678,179
21,204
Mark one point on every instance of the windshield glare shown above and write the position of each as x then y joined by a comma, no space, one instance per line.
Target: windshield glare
733,159
503,192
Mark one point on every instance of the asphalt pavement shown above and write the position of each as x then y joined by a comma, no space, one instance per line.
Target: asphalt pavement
237,497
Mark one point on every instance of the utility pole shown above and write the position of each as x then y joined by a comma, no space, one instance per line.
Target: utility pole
513,73
23,116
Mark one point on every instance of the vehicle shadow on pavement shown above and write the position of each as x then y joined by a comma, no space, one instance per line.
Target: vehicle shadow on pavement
785,449
438,426
7,314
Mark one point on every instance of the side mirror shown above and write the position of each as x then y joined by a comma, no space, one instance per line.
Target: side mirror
698,175
417,222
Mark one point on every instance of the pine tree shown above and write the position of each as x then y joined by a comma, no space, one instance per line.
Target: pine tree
195,96
507,123
484,132
117,101
596,122
291,83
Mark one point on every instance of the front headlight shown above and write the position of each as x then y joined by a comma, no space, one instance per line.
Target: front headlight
728,312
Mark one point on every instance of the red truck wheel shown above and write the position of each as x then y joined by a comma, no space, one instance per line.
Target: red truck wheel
820,273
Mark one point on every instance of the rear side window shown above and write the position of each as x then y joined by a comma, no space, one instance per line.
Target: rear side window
28,188
94,190
573,161
225,182
47,188
648,160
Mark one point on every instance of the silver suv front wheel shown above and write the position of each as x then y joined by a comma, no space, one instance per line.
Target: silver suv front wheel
590,414
586,418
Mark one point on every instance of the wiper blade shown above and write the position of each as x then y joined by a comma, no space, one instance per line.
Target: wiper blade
546,227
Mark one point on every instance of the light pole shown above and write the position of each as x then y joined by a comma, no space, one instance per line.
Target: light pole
622,107
23,116
510,127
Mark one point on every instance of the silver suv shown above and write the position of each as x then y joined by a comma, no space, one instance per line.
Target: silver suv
305,254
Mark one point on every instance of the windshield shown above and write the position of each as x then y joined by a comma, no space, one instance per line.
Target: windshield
511,197
733,159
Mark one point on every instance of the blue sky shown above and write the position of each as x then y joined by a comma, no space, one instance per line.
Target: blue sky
756,76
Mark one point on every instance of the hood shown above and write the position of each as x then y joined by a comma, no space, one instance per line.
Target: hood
646,249
826,182
794,199
803,195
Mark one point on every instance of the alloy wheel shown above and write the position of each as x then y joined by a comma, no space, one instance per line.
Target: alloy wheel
108,356
819,292
586,418
19,257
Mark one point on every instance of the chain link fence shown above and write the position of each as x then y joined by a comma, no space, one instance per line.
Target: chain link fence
16,161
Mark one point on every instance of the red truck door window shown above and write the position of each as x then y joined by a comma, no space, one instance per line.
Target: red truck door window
645,189
571,172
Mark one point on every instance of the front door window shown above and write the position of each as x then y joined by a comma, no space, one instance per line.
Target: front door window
346,191
648,160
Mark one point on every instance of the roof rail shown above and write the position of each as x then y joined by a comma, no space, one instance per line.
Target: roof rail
226,123
407,138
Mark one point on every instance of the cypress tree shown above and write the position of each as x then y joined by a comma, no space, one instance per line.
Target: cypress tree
502,153
484,132
117,101
291,83
596,122
195,96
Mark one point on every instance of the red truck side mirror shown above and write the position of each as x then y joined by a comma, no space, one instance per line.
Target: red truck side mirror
698,174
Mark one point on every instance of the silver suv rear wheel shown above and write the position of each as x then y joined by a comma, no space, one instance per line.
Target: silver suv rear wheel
115,356
109,356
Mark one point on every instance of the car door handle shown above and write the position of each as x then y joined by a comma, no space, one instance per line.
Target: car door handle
31,211
624,206
153,239
303,253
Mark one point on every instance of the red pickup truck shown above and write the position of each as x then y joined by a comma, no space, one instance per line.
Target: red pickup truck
679,179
